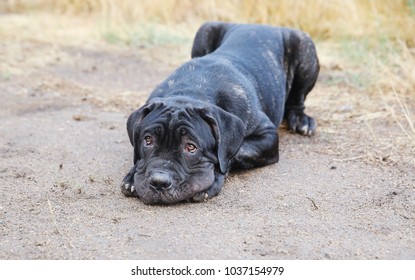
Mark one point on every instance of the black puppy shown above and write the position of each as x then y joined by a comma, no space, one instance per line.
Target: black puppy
220,111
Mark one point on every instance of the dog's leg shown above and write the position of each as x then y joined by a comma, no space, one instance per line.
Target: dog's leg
301,79
259,148
127,184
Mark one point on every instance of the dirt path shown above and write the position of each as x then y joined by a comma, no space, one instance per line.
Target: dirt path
347,193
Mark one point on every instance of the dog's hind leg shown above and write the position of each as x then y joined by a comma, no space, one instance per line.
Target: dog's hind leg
301,76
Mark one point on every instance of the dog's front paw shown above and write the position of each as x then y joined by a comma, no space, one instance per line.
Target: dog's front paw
200,197
299,122
214,190
128,189
127,184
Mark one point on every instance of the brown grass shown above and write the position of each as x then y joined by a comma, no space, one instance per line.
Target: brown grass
321,18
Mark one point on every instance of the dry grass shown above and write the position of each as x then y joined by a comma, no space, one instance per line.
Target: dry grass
397,80
322,19
367,95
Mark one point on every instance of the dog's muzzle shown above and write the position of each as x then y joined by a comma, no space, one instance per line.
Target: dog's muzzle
160,181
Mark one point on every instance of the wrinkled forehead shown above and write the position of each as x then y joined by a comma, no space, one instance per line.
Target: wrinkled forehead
176,121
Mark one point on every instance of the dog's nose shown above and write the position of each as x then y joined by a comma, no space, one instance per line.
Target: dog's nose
160,181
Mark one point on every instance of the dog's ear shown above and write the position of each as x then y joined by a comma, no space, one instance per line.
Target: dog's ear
208,38
134,120
228,131
133,124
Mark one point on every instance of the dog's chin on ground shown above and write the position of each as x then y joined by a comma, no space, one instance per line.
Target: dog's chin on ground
180,193
150,197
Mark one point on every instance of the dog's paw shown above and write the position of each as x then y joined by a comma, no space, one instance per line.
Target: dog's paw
127,184
128,189
200,197
299,122
214,190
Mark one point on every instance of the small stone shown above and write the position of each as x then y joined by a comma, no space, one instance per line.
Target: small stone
78,117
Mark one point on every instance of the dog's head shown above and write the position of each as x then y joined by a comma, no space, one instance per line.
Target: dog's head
179,146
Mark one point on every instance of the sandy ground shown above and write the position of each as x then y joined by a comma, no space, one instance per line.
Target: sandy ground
346,193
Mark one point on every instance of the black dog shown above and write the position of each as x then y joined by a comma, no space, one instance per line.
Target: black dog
220,111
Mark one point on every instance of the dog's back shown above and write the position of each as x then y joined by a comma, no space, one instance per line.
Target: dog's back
267,55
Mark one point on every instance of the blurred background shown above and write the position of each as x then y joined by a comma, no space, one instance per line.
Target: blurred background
378,20
336,19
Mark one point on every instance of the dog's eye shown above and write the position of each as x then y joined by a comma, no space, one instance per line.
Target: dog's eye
190,148
148,140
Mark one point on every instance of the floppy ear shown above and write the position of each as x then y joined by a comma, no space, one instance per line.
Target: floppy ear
228,131
133,123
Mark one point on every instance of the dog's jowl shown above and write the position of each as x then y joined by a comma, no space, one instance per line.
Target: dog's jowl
220,111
